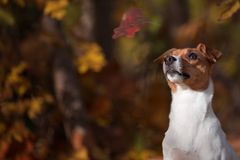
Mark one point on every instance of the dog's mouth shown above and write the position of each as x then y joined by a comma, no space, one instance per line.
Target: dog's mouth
181,74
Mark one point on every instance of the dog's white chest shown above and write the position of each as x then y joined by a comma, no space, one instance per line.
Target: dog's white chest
194,132
189,107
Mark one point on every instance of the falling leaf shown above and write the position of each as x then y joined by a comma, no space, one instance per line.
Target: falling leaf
132,21
231,7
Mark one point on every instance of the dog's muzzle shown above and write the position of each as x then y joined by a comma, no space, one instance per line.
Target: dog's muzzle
173,72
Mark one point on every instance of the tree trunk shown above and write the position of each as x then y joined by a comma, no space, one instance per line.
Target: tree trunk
65,80
66,86
67,92
103,27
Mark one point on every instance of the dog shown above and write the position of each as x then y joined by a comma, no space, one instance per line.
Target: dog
194,131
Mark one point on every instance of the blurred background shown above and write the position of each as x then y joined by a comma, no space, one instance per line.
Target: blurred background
69,91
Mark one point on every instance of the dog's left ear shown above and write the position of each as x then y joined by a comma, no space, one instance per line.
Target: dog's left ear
162,56
212,54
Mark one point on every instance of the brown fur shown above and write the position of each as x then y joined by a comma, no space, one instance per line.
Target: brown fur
199,69
172,86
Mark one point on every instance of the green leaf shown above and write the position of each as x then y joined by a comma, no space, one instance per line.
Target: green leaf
230,9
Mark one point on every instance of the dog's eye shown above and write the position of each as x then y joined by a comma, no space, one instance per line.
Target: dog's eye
192,56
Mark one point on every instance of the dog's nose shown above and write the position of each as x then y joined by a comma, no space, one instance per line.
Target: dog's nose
169,60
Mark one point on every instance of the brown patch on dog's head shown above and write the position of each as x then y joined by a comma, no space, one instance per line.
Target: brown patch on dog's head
191,66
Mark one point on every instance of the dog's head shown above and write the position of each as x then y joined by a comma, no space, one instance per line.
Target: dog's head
189,66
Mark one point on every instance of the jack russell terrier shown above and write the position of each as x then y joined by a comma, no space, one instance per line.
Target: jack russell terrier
194,131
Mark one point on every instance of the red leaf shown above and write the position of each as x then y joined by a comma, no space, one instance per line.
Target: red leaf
132,21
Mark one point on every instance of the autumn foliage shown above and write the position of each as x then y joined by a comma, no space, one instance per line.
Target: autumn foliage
74,88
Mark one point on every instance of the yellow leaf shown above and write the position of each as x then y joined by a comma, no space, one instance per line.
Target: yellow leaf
230,8
16,80
14,75
35,107
36,104
59,14
56,8
92,59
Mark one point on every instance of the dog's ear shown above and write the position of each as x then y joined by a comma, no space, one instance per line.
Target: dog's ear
213,55
202,47
162,56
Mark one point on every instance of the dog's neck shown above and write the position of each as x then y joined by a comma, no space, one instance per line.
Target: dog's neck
190,107
190,111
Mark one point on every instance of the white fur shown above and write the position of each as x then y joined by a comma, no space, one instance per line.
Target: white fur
178,66
194,131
